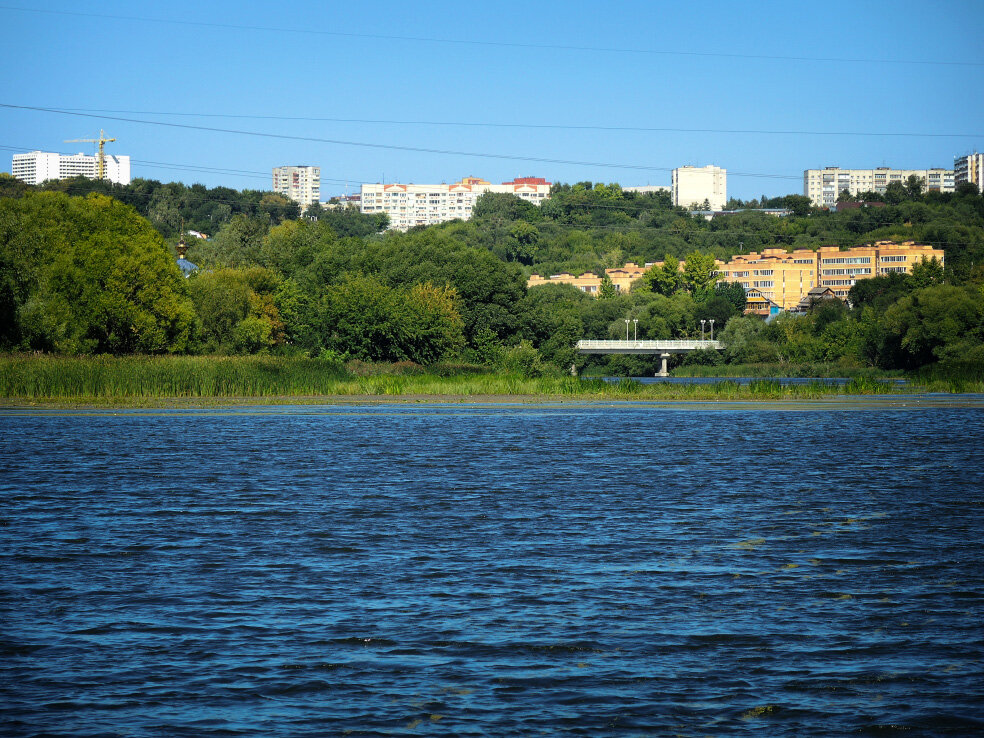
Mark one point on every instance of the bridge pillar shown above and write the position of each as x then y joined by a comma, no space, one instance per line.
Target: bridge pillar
662,366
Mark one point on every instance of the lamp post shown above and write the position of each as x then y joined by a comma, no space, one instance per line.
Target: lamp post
702,321
712,329
626,329
635,329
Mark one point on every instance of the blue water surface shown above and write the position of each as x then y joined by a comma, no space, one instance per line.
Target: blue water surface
623,569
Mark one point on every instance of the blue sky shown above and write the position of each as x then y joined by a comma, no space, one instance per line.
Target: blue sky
763,89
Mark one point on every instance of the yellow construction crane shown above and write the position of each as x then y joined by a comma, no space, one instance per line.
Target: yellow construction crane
101,159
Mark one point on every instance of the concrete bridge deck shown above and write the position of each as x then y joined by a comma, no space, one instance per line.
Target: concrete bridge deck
661,348
645,347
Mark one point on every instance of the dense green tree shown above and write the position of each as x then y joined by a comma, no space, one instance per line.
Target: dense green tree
879,291
524,238
81,275
505,207
666,278
238,309
745,341
368,320
922,327
926,273
734,293
700,274
607,291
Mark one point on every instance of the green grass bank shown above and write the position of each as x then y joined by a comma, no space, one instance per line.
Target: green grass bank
132,380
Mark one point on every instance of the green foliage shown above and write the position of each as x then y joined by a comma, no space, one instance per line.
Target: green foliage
607,290
505,207
523,359
666,278
82,275
931,324
371,321
700,275
238,310
734,293
926,273
524,238
349,222
745,341
169,205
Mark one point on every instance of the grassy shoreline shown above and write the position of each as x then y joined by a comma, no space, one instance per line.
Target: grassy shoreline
150,381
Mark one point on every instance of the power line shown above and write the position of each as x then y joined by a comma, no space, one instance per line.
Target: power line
187,167
496,44
531,126
363,144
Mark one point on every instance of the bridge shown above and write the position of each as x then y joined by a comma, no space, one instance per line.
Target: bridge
661,348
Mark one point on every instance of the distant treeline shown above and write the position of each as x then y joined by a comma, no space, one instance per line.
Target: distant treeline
94,274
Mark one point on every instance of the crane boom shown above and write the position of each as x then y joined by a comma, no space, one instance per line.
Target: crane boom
101,159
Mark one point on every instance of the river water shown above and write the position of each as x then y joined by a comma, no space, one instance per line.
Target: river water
494,570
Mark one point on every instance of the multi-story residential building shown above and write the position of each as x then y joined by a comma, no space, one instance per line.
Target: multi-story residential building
777,279
410,205
785,277
37,167
823,186
302,184
695,186
969,169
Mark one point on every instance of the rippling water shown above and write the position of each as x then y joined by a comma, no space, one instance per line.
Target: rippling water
493,570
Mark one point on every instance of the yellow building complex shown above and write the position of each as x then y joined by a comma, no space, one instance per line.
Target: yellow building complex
777,279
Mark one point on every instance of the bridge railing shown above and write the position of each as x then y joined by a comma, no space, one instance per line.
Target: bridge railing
680,345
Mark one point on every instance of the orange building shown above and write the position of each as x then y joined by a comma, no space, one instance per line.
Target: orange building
777,279
622,278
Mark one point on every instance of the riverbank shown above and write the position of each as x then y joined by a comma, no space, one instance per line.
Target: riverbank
166,381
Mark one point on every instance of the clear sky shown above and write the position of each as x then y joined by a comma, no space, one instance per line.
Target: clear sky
562,90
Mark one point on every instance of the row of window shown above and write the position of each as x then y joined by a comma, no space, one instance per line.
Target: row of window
849,260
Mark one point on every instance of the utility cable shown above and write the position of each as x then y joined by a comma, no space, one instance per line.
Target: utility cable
495,44
363,144
531,126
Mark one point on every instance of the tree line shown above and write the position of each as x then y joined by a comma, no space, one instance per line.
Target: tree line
91,274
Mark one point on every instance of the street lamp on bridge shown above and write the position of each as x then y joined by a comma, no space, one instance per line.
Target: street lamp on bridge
626,328
702,321
712,329
635,329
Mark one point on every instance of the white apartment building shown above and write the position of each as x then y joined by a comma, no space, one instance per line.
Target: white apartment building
823,186
37,167
969,168
410,205
693,185
302,184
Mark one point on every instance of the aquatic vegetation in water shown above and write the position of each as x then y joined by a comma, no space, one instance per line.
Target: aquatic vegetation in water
761,711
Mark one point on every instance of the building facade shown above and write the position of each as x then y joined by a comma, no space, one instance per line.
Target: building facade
694,186
302,184
823,186
410,205
969,169
38,167
777,279
622,278
785,277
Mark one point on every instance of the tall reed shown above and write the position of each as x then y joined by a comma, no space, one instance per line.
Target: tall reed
136,378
